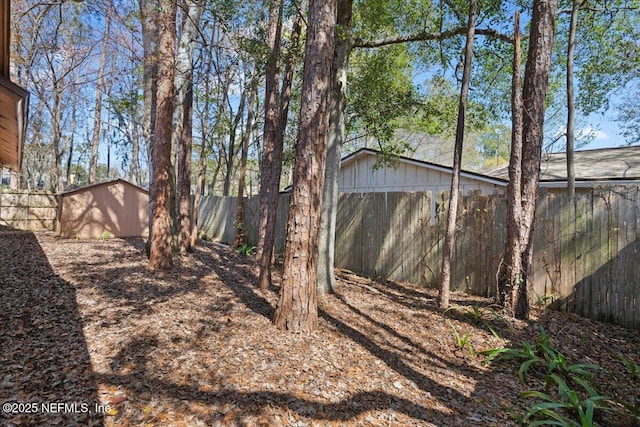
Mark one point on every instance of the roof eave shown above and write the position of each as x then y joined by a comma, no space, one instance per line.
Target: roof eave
99,184
13,130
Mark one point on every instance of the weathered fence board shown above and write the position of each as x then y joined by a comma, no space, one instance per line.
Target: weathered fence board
217,216
585,258
24,210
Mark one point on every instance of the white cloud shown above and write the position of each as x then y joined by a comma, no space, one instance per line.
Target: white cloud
591,133
600,135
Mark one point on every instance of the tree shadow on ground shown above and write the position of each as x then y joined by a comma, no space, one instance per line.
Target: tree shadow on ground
123,278
228,267
222,280
134,367
131,371
473,310
135,360
44,356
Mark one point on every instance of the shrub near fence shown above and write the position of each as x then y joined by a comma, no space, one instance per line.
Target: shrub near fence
585,260
28,210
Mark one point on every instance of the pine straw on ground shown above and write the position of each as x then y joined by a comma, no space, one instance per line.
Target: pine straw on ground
86,322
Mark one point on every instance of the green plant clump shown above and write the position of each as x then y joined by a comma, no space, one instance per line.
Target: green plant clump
571,396
246,250
462,341
479,316
632,368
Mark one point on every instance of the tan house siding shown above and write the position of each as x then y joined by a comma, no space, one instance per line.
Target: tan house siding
115,208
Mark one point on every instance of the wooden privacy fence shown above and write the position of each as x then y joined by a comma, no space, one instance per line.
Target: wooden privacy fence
587,261
392,236
584,260
217,217
28,210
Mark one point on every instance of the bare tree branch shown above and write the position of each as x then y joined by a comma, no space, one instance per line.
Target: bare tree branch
427,36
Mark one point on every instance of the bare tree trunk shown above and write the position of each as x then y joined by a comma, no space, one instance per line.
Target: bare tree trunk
511,266
149,17
326,244
134,168
297,309
246,139
211,187
226,191
287,79
150,77
73,124
202,169
536,80
95,139
447,251
199,192
184,63
56,111
183,132
183,187
56,135
160,254
571,108
271,165
108,160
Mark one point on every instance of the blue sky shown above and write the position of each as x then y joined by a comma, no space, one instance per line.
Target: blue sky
607,131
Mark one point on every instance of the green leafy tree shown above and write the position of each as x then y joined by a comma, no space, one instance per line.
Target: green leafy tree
629,117
381,93
595,45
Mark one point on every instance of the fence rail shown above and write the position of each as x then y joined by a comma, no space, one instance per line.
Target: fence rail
27,210
585,260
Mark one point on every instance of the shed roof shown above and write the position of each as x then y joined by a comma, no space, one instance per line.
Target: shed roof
99,184
602,164
441,168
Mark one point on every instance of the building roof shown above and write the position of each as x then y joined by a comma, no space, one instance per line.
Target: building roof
441,168
603,164
98,184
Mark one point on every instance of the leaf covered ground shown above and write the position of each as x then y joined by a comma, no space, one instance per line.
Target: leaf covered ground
86,322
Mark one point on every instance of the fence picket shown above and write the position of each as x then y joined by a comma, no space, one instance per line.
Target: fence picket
587,257
24,210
